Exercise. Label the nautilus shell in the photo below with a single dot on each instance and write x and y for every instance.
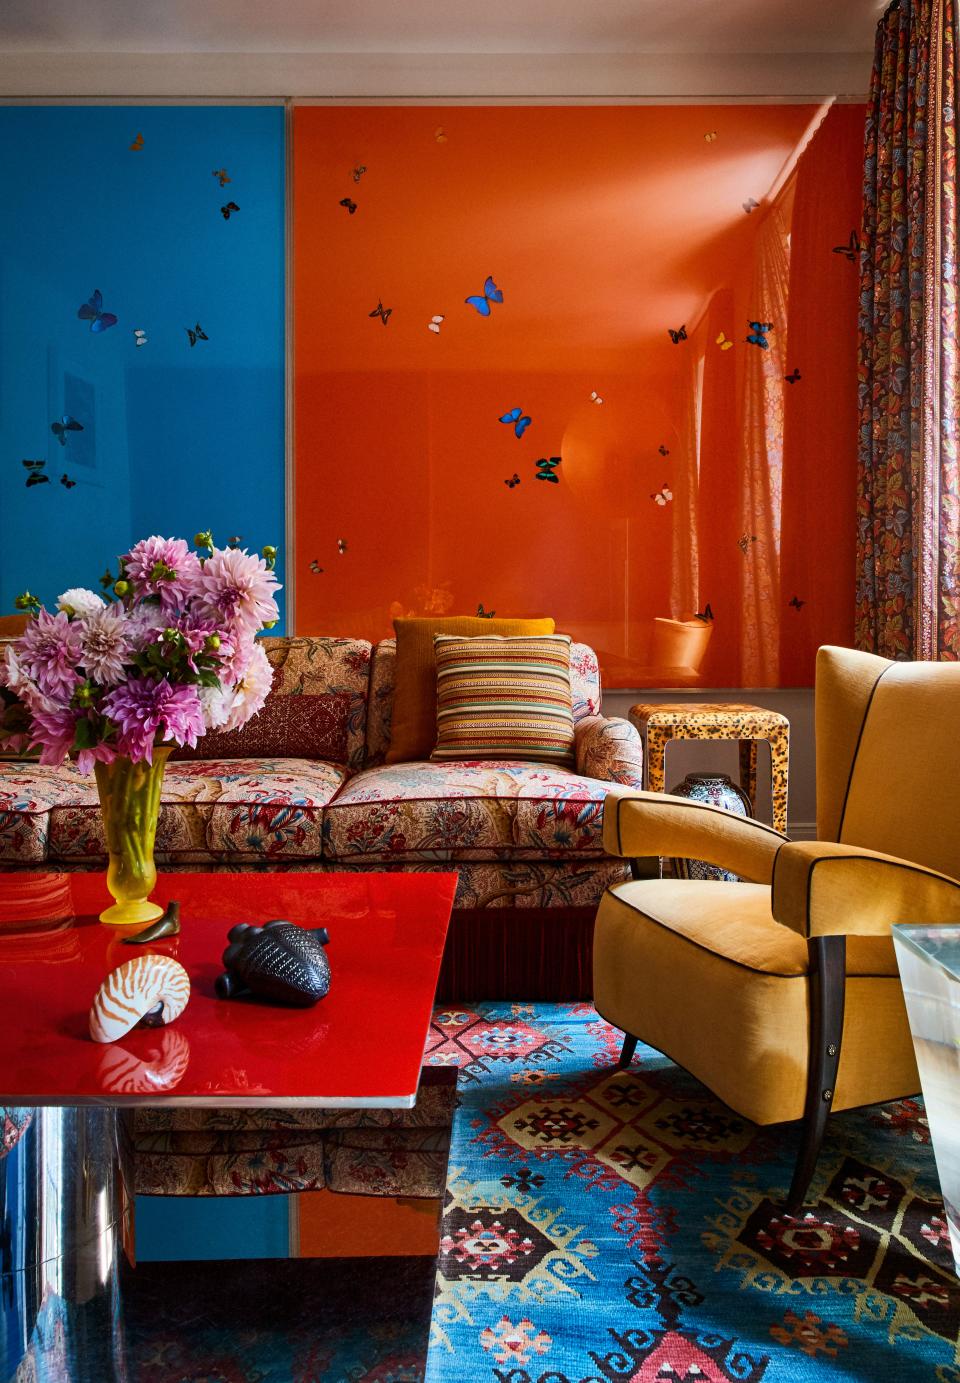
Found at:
(157, 986)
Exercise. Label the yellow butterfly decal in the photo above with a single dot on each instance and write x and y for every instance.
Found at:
(723, 343)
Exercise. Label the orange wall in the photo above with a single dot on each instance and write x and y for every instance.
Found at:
(602, 226)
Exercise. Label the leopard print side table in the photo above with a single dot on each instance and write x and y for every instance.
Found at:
(696, 721)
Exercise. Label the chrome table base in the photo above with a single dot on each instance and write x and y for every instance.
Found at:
(66, 1214)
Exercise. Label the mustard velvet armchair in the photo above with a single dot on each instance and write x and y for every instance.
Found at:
(781, 993)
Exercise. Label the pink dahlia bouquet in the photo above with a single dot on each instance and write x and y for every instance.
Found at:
(170, 653)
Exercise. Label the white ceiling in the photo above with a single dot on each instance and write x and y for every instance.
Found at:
(431, 26)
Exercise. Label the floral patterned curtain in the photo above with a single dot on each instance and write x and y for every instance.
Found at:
(908, 518)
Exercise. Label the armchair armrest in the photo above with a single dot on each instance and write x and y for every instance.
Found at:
(656, 823)
(823, 889)
(609, 749)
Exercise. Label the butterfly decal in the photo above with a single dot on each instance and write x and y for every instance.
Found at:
(359, 172)
(341, 546)
(518, 419)
(222, 177)
(513, 482)
(793, 376)
(196, 334)
(546, 468)
(138, 142)
(235, 541)
(350, 205)
(679, 335)
(227, 211)
(796, 603)
(595, 397)
(106, 580)
(440, 135)
(93, 313)
(315, 567)
(66, 424)
(749, 205)
(485, 614)
(66, 482)
(851, 250)
(663, 496)
(481, 301)
(710, 136)
(35, 475)
(382, 312)
(758, 334)
(744, 541)
(139, 336)
(434, 324)
(706, 614)
(664, 451)
(724, 343)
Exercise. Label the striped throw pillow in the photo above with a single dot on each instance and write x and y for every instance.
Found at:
(504, 698)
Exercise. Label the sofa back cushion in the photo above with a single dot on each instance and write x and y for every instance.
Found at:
(584, 689)
(315, 666)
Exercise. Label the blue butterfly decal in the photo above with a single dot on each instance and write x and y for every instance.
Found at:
(65, 425)
(93, 313)
(518, 418)
(491, 294)
(758, 334)
(546, 467)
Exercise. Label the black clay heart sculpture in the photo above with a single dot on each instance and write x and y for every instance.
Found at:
(279, 961)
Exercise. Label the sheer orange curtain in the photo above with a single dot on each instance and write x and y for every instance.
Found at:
(761, 473)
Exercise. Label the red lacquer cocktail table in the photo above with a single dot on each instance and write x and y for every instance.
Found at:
(65, 1208)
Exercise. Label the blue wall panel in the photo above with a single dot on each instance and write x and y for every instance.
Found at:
(176, 437)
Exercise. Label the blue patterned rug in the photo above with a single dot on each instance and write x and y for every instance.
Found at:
(604, 1225)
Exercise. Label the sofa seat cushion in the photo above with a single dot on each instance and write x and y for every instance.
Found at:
(465, 811)
(232, 809)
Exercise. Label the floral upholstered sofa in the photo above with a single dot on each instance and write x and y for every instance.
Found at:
(521, 836)
(524, 838)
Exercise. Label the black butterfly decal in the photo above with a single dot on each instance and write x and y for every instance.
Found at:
(106, 580)
(851, 249)
(513, 481)
(758, 334)
(546, 468)
(359, 172)
(797, 603)
(485, 614)
(196, 334)
(221, 175)
(664, 451)
(706, 614)
(65, 425)
(382, 312)
(227, 211)
(315, 567)
(351, 206)
(35, 475)
(794, 376)
(66, 482)
(341, 546)
(679, 335)
(744, 541)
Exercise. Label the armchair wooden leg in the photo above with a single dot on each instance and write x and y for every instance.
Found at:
(627, 1051)
(828, 967)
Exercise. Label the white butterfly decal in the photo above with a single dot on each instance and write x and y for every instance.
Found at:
(434, 324)
(139, 336)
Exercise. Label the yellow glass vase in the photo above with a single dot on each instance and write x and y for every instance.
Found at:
(130, 801)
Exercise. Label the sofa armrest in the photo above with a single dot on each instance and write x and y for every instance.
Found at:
(609, 749)
(636, 824)
(824, 889)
